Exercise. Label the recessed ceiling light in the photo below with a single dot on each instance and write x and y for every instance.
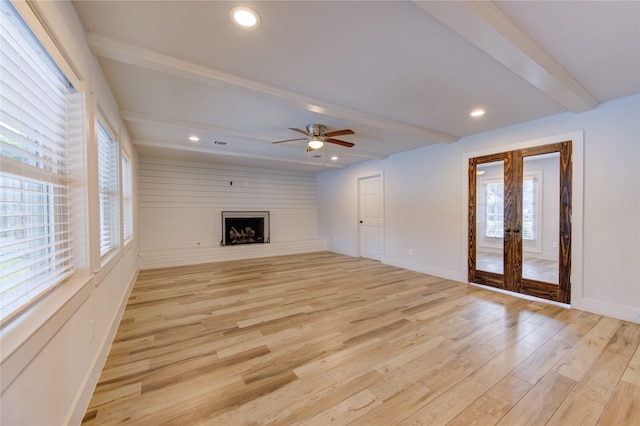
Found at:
(477, 113)
(194, 138)
(334, 158)
(245, 17)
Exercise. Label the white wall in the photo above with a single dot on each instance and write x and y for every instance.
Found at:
(424, 208)
(52, 355)
(181, 205)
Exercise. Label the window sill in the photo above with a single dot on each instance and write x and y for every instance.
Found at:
(107, 262)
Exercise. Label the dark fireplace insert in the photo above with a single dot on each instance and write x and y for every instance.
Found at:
(245, 227)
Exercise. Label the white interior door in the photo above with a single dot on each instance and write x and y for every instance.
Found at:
(370, 193)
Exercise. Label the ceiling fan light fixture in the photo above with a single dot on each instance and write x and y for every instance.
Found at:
(245, 17)
(315, 143)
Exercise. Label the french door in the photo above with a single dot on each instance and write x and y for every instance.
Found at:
(520, 221)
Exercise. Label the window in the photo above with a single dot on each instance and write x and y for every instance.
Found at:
(107, 190)
(494, 199)
(495, 209)
(36, 105)
(529, 208)
(127, 199)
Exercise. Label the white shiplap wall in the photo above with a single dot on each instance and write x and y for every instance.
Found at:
(181, 205)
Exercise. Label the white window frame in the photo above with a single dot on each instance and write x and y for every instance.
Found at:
(127, 197)
(108, 188)
(534, 244)
(39, 95)
(485, 217)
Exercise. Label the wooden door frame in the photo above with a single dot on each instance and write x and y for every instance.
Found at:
(539, 288)
(575, 294)
(473, 276)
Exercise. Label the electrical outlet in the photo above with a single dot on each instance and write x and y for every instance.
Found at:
(410, 252)
(555, 244)
(93, 334)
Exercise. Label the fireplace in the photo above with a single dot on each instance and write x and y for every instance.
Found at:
(244, 227)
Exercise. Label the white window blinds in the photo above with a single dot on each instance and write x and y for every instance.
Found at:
(107, 190)
(35, 109)
(127, 199)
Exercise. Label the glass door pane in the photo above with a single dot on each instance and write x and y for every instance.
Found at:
(541, 217)
(490, 217)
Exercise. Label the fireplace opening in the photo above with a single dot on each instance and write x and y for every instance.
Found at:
(245, 228)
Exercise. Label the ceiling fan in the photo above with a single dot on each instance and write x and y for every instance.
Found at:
(317, 136)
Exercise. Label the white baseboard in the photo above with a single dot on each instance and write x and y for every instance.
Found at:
(625, 313)
(169, 257)
(426, 269)
(342, 250)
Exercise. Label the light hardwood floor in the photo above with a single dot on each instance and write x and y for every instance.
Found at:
(324, 339)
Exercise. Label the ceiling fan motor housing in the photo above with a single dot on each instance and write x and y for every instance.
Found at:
(316, 130)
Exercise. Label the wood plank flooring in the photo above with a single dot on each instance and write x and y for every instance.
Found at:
(321, 338)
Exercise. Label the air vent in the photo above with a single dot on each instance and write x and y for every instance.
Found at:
(222, 143)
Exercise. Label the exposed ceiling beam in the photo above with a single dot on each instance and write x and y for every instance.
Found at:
(483, 24)
(155, 120)
(137, 117)
(153, 144)
(126, 53)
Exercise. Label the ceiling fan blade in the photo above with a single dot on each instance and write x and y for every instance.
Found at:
(300, 131)
(339, 142)
(339, 133)
(289, 140)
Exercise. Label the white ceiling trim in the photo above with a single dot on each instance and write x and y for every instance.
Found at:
(483, 24)
(126, 53)
(153, 144)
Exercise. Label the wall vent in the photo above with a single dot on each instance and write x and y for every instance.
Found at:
(222, 143)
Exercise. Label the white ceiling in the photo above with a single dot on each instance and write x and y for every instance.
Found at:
(401, 74)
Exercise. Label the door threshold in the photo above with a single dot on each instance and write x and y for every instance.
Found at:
(522, 296)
